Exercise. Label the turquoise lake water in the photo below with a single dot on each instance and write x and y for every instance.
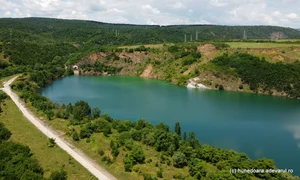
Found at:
(259, 125)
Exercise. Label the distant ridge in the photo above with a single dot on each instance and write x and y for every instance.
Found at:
(99, 33)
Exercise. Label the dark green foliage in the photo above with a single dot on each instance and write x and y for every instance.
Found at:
(162, 127)
(101, 152)
(4, 133)
(30, 175)
(123, 137)
(75, 136)
(221, 88)
(192, 140)
(114, 149)
(85, 132)
(184, 136)
(59, 175)
(197, 168)
(51, 142)
(16, 162)
(137, 154)
(178, 129)
(81, 109)
(129, 162)
(173, 49)
(96, 112)
(259, 73)
(107, 160)
(141, 123)
(179, 160)
(159, 173)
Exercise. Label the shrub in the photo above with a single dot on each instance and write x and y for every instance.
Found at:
(101, 152)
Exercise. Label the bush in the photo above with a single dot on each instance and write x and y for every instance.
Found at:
(4, 133)
(51, 142)
(129, 162)
(221, 88)
(179, 160)
(101, 152)
(75, 136)
(159, 173)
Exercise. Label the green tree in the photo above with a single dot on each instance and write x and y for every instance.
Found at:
(184, 136)
(179, 160)
(75, 136)
(163, 127)
(4, 133)
(51, 142)
(96, 112)
(178, 129)
(129, 162)
(81, 109)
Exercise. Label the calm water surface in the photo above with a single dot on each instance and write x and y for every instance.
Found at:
(261, 126)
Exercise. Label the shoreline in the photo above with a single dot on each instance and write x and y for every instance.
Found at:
(192, 84)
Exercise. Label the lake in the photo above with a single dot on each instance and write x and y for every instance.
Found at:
(259, 125)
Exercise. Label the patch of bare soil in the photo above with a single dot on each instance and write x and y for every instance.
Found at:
(190, 69)
(147, 71)
(278, 58)
(207, 50)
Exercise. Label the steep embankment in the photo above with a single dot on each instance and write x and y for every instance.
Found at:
(179, 64)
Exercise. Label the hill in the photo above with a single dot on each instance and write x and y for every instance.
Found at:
(97, 33)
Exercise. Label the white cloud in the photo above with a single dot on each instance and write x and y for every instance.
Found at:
(218, 3)
(292, 16)
(178, 5)
(151, 9)
(228, 12)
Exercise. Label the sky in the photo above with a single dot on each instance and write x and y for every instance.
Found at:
(161, 12)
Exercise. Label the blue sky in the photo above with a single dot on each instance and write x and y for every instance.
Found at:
(161, 12)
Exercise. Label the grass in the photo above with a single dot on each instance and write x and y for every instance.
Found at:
(50, 159)
(259, 45)
(6, 78)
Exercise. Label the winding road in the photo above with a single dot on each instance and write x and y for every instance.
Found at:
(76, 153)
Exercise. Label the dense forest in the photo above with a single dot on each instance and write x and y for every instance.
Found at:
(97, 33)
(261, 74)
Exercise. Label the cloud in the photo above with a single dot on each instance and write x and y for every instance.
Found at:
(178, 5)
(225, 12)
(218, 3)
(150, 9)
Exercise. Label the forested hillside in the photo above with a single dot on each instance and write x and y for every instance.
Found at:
(97, 33)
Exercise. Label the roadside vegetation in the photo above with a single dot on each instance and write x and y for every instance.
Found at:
(50, 159)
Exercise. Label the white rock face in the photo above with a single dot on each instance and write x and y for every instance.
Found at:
(193, 83)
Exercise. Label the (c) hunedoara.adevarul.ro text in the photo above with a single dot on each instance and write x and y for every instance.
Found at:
(253, 171)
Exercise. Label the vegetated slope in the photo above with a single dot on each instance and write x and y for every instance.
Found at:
(135, 150)
(16, 160)
(97, 33)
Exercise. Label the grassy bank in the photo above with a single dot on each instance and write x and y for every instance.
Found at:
(50, 159)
